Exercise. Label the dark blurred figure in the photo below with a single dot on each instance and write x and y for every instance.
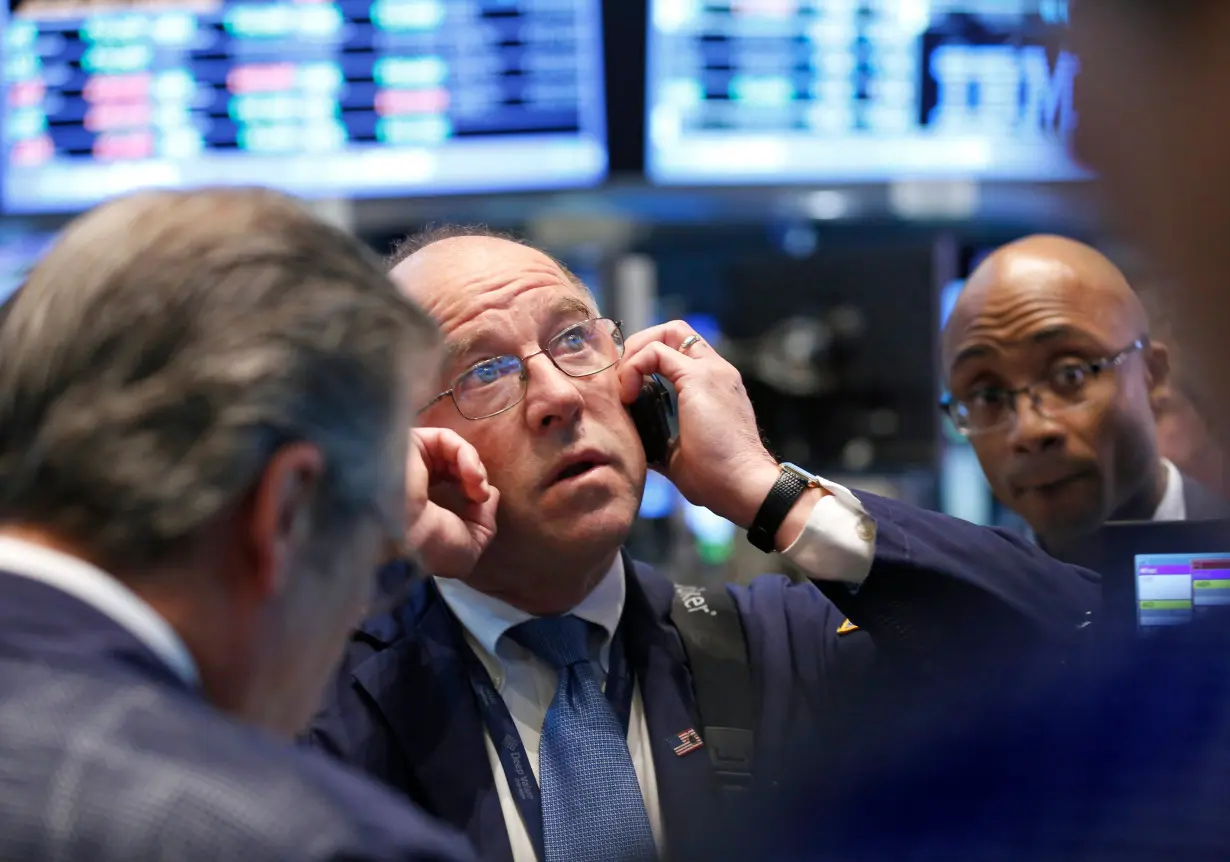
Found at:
(1184, 434)
(1185, 438)
(1154, 119)
(1056, 382)
(204, 404)
(1124, 756)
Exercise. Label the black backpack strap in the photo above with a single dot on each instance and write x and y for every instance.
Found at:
(708, 622)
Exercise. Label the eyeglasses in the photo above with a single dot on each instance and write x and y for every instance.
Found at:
(1067, 387)
(496, 385)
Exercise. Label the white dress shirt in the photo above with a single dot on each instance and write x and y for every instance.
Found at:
(1172, 506)
(837, 543)
(102, 592)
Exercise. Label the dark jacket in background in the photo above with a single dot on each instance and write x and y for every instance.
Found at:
(1126, 759)
(106, 756)
(1201, 503)
(943, 597)
(1119, 755)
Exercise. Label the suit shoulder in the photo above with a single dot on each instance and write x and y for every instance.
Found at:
(782, 616)
(777, 596)
(385, 629)
(160, 764)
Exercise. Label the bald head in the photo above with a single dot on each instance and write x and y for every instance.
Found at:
(455, 260)
(463, 277)
(444, 241)
(1047, 273)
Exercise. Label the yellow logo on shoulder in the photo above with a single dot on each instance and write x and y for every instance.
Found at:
(846, 627)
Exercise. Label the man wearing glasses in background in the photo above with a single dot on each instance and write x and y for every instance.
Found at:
(535, 692)
(1054, 380)
(1129, 761)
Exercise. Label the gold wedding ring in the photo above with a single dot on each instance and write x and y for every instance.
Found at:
(688, 343)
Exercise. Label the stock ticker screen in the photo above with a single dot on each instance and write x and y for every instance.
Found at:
(768, 91)
(1172, 589)
(321, 99)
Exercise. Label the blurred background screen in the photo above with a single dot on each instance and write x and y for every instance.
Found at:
(19, 250)
(322, 99)
(774, 91)
(808, 183)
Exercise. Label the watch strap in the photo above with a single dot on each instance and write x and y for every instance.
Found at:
(790, 485)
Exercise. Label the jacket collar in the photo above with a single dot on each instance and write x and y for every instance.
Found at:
(41, 623)
(418, 683)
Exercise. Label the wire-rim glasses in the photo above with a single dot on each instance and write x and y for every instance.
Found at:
(494, 386)
(1067, 387)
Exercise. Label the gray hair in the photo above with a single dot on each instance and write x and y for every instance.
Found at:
(171, 342)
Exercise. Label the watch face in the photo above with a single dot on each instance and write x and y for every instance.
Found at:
(801, 473)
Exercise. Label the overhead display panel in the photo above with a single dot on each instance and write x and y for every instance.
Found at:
(322, 99)
(784, 91)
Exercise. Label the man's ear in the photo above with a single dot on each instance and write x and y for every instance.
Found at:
(281, 513)
(1158, 377)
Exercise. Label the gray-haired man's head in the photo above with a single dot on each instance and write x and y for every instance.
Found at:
(209, 394)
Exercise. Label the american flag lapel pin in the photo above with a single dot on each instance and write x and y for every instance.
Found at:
(686, 741)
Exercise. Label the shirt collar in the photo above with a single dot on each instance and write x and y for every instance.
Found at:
(1172, 506)
(487, 619)
(101, 591)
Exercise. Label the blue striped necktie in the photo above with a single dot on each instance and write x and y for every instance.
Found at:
(592, 808)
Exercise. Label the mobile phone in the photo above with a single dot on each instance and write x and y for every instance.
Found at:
(656, 416)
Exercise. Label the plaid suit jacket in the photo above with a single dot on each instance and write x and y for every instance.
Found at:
(106, 756)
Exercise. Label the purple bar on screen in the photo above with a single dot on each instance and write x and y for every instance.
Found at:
(1164, 570)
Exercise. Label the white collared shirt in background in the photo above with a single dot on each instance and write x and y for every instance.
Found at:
(99, 590)
(1172, 507)
(837, 544)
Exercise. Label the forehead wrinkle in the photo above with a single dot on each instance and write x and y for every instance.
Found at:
(1036, 326)
(501, 298)
(467, 302)
(460, 280)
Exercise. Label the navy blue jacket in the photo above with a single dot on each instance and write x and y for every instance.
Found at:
(1124, 759)
(106, 755)
(941, 594)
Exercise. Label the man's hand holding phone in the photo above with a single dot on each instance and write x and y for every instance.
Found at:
(450, 505)
(718, 460)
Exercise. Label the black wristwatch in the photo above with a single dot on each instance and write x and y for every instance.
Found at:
(790, 485)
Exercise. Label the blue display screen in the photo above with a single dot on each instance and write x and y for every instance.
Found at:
(19, 251)
(321, 99)
(769, 91)
(1172, 589)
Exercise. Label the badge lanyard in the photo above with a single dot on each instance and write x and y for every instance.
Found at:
(507, 740)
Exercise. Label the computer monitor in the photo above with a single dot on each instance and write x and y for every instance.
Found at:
(321, 99)
(1172, 589)
(789, 91)
(1159, 573)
